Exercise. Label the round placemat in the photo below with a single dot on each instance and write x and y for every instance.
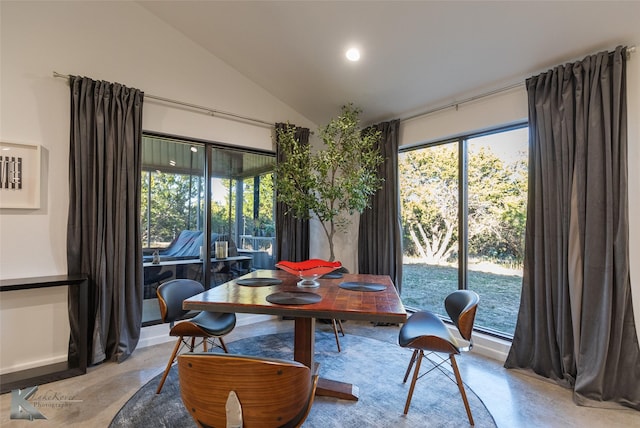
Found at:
(294, 298)
(362, 286)
(333, 275)
(258, 282)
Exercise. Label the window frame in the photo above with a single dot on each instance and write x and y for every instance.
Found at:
(462, 140)
(207, 174)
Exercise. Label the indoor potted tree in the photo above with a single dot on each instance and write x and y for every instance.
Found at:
(335, 181)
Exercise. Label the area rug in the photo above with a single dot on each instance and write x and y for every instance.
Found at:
(376, 367)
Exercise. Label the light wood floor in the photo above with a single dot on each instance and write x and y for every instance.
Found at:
(514, 399)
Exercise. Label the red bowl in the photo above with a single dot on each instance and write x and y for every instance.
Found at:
(313, 268)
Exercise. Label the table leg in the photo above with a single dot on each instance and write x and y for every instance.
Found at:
(303, 352)
(304, 340)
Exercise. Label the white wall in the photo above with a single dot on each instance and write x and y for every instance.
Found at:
(117, 42)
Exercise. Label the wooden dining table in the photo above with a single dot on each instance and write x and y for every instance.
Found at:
(335, 302)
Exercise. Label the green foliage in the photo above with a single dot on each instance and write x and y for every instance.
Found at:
(429, 198)
(172, 203)
(497, 195)
(334, 181)
(264, 225)
(171, 209)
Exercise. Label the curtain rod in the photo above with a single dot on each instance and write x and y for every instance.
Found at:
(630, 50)
(213, 112)
(210, 111)
(466, 100)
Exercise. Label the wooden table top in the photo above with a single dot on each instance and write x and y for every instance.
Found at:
(336, 303)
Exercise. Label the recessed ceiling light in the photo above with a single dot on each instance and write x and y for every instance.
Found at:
(353, 54)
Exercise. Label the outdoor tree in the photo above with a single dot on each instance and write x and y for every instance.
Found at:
(172, 210)
(337, 180)
(496, 204)
(178, 204)
(429, 195)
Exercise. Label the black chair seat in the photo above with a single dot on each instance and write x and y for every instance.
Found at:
(425, 330)
(214, 323)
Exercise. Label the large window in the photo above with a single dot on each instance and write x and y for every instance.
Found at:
(192, 190)
(463, 206)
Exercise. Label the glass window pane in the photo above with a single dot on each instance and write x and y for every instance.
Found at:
(497, 200)
(429, 198)
(495, 174)
(258, 221)
(172, 191)
(172, 213)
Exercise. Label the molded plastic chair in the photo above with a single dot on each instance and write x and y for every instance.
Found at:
(229, 390)
(205, 325)
(424, 331)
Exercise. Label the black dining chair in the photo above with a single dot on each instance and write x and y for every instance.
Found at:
(425, 331)
(205, 325)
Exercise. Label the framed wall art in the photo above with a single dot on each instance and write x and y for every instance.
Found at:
(19, 176)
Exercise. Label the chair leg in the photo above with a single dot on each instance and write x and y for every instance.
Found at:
(413, 381)
(224, 347)
(335, 332)
(413, 360)
(461, 388)
(166, 371)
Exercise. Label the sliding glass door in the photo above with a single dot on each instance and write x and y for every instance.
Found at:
(195, 194)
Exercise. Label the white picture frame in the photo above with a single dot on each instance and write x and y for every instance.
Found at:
(19, 176)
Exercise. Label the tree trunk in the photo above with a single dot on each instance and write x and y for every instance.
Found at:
(330, 234)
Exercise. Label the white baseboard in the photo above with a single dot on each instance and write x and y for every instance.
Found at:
(491, 347)
(154, 335)
(487, 346)
(33, 364)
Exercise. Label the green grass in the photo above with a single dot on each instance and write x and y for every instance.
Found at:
(426, 286)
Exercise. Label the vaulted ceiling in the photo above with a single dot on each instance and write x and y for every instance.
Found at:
(416, 55)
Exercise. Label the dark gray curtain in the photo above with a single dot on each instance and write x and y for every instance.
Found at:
(103, 236)
(380, 234)
(292, 234)
(576, 323)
